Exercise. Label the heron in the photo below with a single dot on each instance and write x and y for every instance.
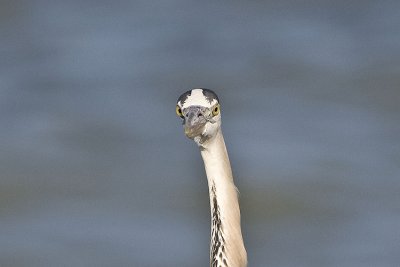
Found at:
(200, 111)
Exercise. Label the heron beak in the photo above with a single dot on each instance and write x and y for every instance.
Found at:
(195, 121)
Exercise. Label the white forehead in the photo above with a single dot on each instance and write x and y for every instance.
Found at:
(197, 98)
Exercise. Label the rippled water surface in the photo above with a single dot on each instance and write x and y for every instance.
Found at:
(96, 171)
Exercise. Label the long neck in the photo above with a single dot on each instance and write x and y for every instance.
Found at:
(226, 247)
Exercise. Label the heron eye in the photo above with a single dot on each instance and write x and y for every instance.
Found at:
(215, 111)
(178, 111)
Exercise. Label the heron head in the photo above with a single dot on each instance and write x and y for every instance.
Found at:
(200, 112)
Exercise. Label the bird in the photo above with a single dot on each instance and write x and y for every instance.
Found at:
(200, 111)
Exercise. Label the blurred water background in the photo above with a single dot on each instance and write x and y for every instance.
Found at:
(95, 168)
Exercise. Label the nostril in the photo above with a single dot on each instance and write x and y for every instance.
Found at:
(200, 115)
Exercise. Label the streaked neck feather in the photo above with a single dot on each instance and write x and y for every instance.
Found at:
(226, 247)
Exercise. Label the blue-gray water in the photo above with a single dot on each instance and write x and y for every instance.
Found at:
(95, 168)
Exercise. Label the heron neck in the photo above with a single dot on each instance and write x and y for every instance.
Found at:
(226, 237)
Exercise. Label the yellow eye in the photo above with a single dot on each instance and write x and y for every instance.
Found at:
(178, 111)
(215, 110)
